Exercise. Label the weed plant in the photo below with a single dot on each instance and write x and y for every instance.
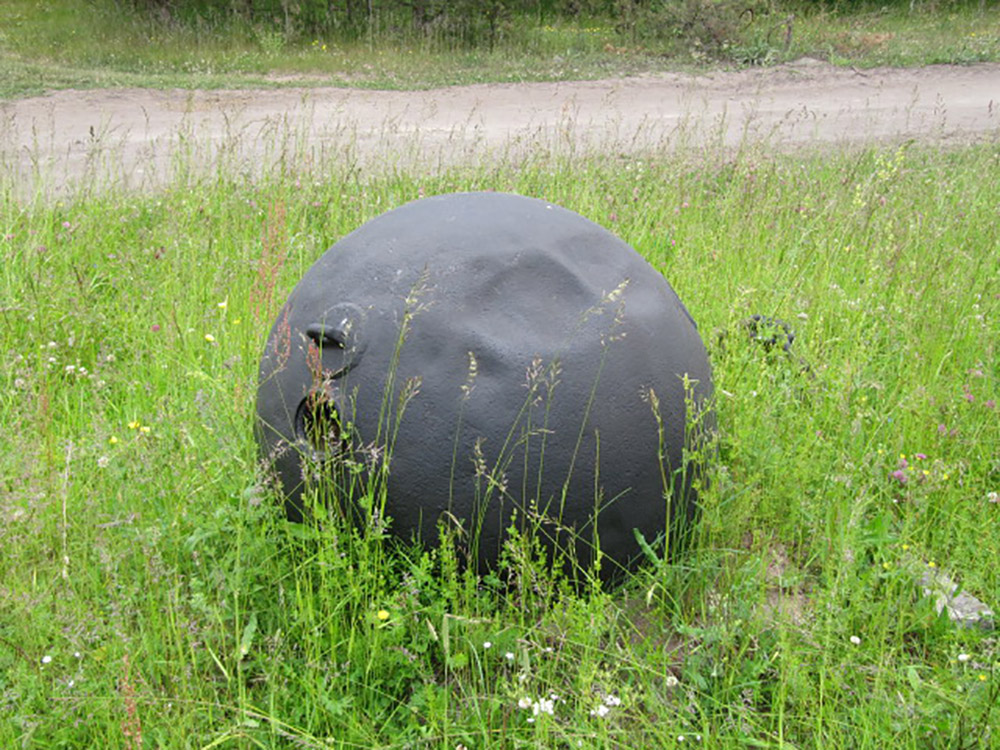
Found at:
(152, 595)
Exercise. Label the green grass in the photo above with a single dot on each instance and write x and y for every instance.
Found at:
(61, 44)
(149, 585)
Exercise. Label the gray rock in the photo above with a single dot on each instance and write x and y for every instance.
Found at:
(963, 609)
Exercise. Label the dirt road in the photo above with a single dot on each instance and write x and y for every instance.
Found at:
(138, 137)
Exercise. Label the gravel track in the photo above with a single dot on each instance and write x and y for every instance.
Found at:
(139, 137)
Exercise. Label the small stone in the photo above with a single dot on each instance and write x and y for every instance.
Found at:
(963, 609)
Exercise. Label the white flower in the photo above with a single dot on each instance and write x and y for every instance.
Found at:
(544, 706)
(963, 658)
(487, 644)
(509, 656)
(46, 659)
(601, 711)
(103, 462)
(855, 640)
(671, 681)
(524, 703)
(993, 497)
(613, 700)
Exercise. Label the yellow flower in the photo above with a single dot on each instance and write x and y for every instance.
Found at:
(209, 338)
(112, 440)
(982, 678)
(932, 564)
(135, 424)
(906, 547)
(382, 615)
(224, 304)
(144, 429)
(237, 321)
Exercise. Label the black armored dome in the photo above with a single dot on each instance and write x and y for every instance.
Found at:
(495, 357)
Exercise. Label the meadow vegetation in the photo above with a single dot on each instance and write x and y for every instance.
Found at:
(152, 595)
(200, 44)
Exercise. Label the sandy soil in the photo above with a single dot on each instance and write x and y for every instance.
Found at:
(138, 137)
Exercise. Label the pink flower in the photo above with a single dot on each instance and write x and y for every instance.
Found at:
(921, 456)
(900, 476)
(155, 327)
(991, 404)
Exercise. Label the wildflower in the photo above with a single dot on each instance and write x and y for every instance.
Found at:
(155, 327)
(509, 656)
(982, 678)
(600, 712)
(382, 614)
(209, 338)
(963, 658)
(113, 440)
(671, 681)
(237, 321)
(144, 429)
(899, 475)
(46, 659)
(992, 497)
(524, 703)
(920, 456)
(990, 404)
(612, 700)
(487, 644)
(103, 462)
(855, 640)
(223, 305)
(543, 706)
(932, 564)
(135, 424)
